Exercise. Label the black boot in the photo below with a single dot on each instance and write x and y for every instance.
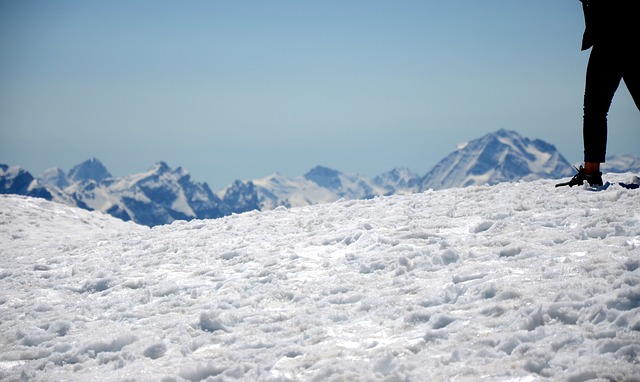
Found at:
(580, 177)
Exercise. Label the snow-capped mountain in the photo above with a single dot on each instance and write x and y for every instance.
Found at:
(496, 157)
(16, 180)
(91, 169)
(157, 196)
(319, 185)
(502, 156)
(400, 180)
(348, 186)
(241, 197)
(622, 163)
(54, 176)
(162, 195)
(277, 190)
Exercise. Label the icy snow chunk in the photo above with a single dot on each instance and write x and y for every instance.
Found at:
(628, 299)
(510, 251)
(534, 320)
(537, 362)
(452, 292)
(115, 345)
(583, 376)
(210, 322)
(166, 288)
(596, 233)
(632, 264)
(374, 266)
(60, 328)
(36, 339)
(201, 371)
(415, 318)
(345, 299)
(457, 279)
(5, 273)
(566, 340)
(155, 351)
(509, 344)
(567, 313)
(449, 256)
(133, 284)
(442, 321)
(99, 285)
(483, 226)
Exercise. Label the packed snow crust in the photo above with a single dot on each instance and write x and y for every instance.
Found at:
(513, 282)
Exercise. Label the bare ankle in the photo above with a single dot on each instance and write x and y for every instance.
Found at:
(592, 168)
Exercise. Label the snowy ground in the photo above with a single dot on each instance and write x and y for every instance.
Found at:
(515, 282)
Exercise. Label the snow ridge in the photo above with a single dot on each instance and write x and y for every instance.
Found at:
(513, 282)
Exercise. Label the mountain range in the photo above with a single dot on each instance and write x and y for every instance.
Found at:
(162, 195)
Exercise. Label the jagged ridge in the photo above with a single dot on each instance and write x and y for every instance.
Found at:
(162, 194)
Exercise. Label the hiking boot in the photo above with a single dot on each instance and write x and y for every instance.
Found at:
(581, 177)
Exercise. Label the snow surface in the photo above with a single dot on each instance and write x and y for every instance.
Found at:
(513, 282)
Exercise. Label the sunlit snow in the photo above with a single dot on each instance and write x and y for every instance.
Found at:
(513, 282)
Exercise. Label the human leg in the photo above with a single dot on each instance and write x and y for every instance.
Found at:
(602, 80)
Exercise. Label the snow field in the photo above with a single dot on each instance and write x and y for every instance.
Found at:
(514, 282)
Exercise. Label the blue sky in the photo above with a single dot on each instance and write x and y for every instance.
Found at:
(241, 89)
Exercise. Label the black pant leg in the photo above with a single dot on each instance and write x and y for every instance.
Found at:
(604, 72)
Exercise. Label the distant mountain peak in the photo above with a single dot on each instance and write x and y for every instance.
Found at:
(496, 157)
(91, 169)
(161, 167)
(399, 179)
(242, 196)
(506, 133)
(324, 177)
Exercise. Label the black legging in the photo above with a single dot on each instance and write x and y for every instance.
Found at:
(608, 64)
